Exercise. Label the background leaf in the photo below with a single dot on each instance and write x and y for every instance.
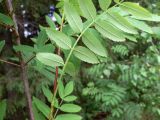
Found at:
(2, 43)
(47, 93)
(42, 107)
(6, 19)
(59, 38)
(3, 108)
(135, 9)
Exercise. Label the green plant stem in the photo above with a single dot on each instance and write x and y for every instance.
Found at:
(68, 58)
(56, 76)
(58, 109)
(71, 51)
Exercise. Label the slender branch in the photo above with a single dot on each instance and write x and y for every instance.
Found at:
(11, 63)
(30, 59)
(58, 109)
(22, 63)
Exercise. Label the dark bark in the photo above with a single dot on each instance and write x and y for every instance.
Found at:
(22, 63)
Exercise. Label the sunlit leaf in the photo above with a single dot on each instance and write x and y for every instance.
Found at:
(70, 98)
(93, 43)
(120, 22)
(104, 4)
(88, 9)
(73, 18)
(141, 25)
(85, 54)
(108, 31)
(70, 108)
(69, 88)
(50, 59)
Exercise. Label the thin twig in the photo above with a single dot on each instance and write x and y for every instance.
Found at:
(22, 63)
(11, 63)
(29, 60)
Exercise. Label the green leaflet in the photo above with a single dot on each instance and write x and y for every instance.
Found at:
(93, 43)
(42, 107)
(50, 59)
(154, 18)
(71, 108)
(24, 48)
(104, 4)
(37, 114)
(42, 38)
(88, 9)
(130, 37)
(73, 18)
(3, 107)
(48, 94)
(120, 22)
(50, 22)
(108, 31)
(58, 18)
(61, 89)
(70, 98)
(70, 69)
(46, 48)
(135, 9)
(59, 38)
(116, 1)
(6, 19)
(69, 88)
(156, 31)
(2, 43)
(85, 54)
(140, 25)
(76, 6)
(68, 117)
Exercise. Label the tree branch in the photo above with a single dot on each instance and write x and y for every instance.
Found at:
(22, 63)
(11, 63)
